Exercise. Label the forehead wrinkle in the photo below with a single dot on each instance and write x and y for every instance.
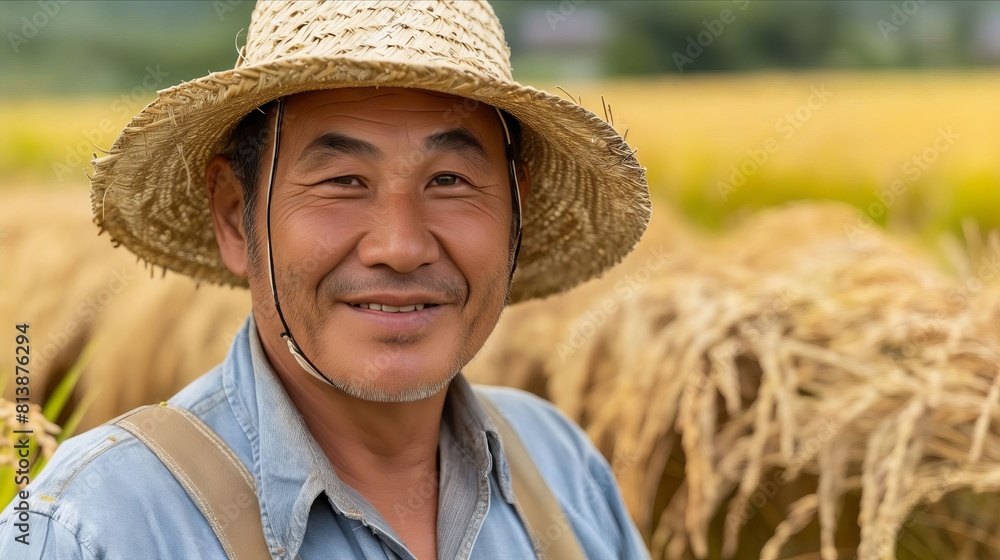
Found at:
(474, 140)
(351, 108)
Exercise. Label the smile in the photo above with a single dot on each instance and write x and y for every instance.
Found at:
(392, 308)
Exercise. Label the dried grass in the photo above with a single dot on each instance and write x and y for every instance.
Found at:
(790, 391)
(153, 335)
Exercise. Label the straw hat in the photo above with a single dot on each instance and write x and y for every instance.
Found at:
(589, 202)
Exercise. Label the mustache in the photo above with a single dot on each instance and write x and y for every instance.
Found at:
(344, 284)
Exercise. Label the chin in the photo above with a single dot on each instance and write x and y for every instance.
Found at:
(379, 366)
(391, 389)
(392, 375)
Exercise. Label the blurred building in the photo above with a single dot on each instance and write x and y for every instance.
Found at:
(564, 41)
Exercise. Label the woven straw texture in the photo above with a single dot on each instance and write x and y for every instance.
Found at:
(589, 202)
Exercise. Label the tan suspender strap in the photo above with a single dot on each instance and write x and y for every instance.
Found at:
(214, 478)
(224, 491)
(550, 532)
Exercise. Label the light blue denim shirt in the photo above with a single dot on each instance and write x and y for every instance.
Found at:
(105, 495)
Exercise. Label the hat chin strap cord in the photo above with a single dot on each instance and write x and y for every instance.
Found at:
(286, 335)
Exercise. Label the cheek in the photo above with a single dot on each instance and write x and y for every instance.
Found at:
(476, 241)
(311, 241)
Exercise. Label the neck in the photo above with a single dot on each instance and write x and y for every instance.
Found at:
(385, 451)
(379, 449)
(370, 444)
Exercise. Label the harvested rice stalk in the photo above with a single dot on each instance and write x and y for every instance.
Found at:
(79, 288)
(795, 389)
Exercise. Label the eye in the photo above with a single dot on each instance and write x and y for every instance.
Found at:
(346, 180)
(446, 180)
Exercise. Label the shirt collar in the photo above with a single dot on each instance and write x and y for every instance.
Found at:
(467, 420)
(289, 466)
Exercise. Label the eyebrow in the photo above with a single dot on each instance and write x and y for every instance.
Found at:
(456, 140)
(335, 144)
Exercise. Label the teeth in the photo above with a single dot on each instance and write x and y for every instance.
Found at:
(393, 308)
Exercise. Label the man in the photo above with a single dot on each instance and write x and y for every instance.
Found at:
(366, 170)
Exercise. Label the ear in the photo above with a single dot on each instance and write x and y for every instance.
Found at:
(225, 198)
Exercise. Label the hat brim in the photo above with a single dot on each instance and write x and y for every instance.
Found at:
(588, 207)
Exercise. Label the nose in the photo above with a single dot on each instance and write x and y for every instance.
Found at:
(398, 236)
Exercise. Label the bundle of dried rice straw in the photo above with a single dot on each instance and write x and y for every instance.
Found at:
(153, 335)
(803, 388)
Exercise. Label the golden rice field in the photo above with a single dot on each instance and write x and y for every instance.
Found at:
(716, 147)
(801, 385)
(828, 136)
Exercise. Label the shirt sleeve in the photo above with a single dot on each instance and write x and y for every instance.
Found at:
(47, 539)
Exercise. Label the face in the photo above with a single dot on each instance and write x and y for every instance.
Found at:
(390, 228)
